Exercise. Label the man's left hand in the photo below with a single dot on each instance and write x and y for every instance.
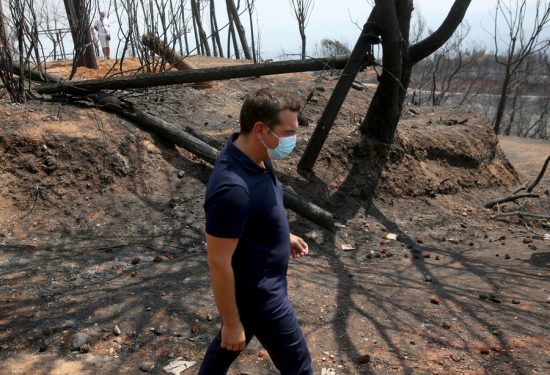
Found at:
(298, 247)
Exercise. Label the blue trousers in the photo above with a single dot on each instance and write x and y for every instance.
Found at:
(278, 332)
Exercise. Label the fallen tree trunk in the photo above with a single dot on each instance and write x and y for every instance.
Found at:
(190, 76)
(172, 57)
(160, 48)
(35, 75)
(204, 151)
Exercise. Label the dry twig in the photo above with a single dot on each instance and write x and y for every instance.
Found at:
(510, 198)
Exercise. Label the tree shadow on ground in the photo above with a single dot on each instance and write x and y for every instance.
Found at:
(381, 299)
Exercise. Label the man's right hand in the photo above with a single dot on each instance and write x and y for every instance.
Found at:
(233, 337)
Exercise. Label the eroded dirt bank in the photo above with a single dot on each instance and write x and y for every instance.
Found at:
(101, 225)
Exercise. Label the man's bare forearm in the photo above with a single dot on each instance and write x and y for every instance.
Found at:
(223, 285)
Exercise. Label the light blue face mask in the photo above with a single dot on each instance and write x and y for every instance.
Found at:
(284, 148)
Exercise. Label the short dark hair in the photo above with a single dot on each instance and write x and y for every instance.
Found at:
(265, 105)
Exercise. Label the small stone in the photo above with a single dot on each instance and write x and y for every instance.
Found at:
(507, 256)
(157, 259)
(412, 342)
(156, 330)
(209, 317)
(527, 240)
(494, 299)
(455, 357)
(484, 351)
(43, 346)
(502, 238)
(181, 174)
(435, 300)
(370, 254)
(364, 359)
(428, 278)
(446, 325)
(146, 366)
(532, 247)
(427, 255)
(4, 347)
(194, 329)
(437, 257)
(85, 348)
(116, 330)
(420, 241)
(470, 243)
(515, 302)
(78, 340)
(136, 260)
(482, 296)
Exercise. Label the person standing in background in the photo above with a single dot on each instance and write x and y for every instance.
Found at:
(103, 34)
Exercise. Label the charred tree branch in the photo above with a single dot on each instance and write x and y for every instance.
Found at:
(509, 198)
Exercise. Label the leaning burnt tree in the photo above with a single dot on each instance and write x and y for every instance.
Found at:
(390, 19)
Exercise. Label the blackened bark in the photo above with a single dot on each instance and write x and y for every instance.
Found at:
(433, 42)
(383, 113)
(239, 28)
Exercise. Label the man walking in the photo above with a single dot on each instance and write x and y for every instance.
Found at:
(103, 33)
(249, 242)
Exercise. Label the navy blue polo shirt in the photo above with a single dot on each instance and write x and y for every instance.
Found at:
(245, 201)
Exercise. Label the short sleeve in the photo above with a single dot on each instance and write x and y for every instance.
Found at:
(227, 211)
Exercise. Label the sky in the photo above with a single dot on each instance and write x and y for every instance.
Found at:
(280, 34)
(280, 37)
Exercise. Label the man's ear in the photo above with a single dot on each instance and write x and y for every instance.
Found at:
(258, 128)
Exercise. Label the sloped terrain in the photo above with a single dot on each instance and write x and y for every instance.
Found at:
(101, 224)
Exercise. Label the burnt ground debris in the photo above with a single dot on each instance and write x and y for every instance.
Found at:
(102, 225)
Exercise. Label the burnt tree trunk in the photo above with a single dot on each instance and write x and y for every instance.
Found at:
(319, 136)
(81, 33)
(383, 115)
(197, 75)
(216, 41)
(168, 54)
(173, 58)
(231, 37)
(239, 28)
(202, 34)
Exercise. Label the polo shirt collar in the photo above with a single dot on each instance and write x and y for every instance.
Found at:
(244, 160)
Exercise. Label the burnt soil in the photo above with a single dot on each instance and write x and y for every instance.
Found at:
(101, 224)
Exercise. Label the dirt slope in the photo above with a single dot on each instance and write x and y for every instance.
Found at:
(101, 225)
